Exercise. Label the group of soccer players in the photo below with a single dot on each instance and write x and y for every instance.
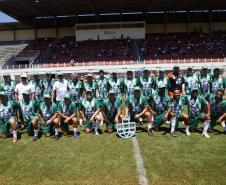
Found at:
(52, 104)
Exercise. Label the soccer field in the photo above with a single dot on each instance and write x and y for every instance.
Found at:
(106, 159)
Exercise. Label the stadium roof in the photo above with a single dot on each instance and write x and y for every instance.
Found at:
(28, 10)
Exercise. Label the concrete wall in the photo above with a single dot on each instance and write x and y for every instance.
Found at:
(25, 34)
(136, 33)
(110, 33)
(65, 32)
(182, 27)
(6, 36)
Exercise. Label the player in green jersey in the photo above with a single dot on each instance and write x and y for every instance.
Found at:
(129, 83)
(75, 87)
(8, 86)
(138, 108)
(90, 84)
(218, 109)
(48, 115)
(38, 87)
(204, 81)
(197, 107)
(176, 113)
(112, 111)
(217, 82)
(29, 110)
(67, 111)
(116, 85)
(159, 103)
(48, 83)
(191, 81)
(147, 83)
(90, 109)
(8, 110)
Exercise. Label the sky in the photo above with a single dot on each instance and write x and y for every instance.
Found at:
(5, 18)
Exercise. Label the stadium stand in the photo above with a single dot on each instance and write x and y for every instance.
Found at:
(183, 45)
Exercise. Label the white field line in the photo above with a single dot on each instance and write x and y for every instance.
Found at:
(139, 162)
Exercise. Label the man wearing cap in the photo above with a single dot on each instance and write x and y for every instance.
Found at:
(205, 81)
(48, 83)
(176, 112)
(196, 105)
(90, 84)
(161, 79)
(159, 103)
(75, 87)
(116, 85)
(147, 83)
(217, 82)
(129, 83)
(111, 111)
(90, 112)
(137, 108)
(176, 80)
(67, 111)
(8, 110)
(29, 109)
(8, 86)
(24, 86)
(218, 109)
(48, 115)
(60, 87)
(191, 81)
(38, 86)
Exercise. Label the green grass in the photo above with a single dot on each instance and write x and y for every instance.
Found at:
(106, 160)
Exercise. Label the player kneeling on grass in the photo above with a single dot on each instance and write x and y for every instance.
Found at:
(48, 115)
(159, 104)
(196, 111)
(218, 109)
(8, 110)
(111, 111)
(90, 113)
(138, 110)
(29, 110)
(176, 112)
(67, 112)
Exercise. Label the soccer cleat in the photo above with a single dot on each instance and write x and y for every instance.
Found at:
(173, 134)
(168, 122)
(14, 139)
(156, 129)
(65, 133)
(188, 133)
(150, 132)
(97, 133)
(35, 138)
(47, 135)
(76, 135)
(56, 137)
(205, 134)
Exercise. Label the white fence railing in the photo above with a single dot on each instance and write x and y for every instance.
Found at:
(118, 63)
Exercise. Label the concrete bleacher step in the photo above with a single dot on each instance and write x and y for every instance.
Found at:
(9, 51)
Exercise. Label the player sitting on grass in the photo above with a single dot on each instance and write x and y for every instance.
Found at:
(67, 111)
(90, 113)
(138, 109)
(176, 113)
(218, 109)
(196, 105)
(159, 104)
(8, 109)
(29, 110)
(48, 115)
(112, 111)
